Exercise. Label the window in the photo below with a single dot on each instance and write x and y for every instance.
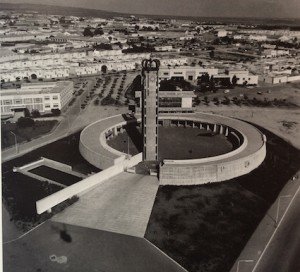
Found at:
(166, 74)
(55, 97)
(18, 101)
(7, 102)
(47, 106)
(37, 100)
(47, 98)
(190, 77)
(28, 100)
(55, 105)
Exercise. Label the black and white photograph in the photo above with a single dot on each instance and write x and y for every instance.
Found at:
(150, 135)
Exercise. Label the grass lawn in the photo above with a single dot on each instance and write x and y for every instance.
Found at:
(55, 175)
(175, 143)
(24, 134)
(21, 192)
(205, 227)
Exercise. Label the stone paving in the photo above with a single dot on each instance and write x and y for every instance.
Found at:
(122, 205)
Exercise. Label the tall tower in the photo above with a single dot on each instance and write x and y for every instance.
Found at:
(150, 109)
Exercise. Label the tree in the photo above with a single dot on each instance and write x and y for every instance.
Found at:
(26, 112)
(104, 69)
(234, 80)
(35, 114)
(24, 122)
(204, 78)
(98, 31)
(56, 112)
(62, 20)
(87, 32)
(212, 84)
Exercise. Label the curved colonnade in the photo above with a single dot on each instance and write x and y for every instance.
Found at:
(248, 153)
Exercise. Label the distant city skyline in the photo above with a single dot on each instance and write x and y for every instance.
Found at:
(196, 8)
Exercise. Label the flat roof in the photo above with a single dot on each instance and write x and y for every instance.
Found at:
(37, 88)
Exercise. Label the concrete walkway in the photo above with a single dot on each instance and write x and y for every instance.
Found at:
(88, 250)
(122, 205)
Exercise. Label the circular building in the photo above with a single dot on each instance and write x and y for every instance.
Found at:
(245, 151)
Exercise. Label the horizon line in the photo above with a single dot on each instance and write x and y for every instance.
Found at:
(147, 14)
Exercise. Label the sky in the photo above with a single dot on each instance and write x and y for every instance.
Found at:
(198, 8)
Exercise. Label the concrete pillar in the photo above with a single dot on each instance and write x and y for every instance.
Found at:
(221, 130)
(167, 123)
(215, 128)
(115, 131)
(226, 131)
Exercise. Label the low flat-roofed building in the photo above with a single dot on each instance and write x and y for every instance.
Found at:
(185, 72)
(163, 48)
(243, 77)
(50, 72)
(36, 96)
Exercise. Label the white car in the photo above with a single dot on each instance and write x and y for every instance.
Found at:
(226, 91)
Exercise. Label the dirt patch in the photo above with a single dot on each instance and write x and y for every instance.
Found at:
(175, 143)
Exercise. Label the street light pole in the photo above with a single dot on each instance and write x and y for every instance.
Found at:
(16, 143)
(278, 204)
(244, 261)
(127, 145)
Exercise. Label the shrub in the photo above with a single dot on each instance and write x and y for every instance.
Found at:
(56, 112)
(24, 122)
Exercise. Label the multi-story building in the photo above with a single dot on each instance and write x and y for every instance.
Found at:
(179, 101)
(36, 96)
(172, 97)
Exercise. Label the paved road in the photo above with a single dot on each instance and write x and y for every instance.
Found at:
(71, 123)
(272, 249)
(282, 254)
